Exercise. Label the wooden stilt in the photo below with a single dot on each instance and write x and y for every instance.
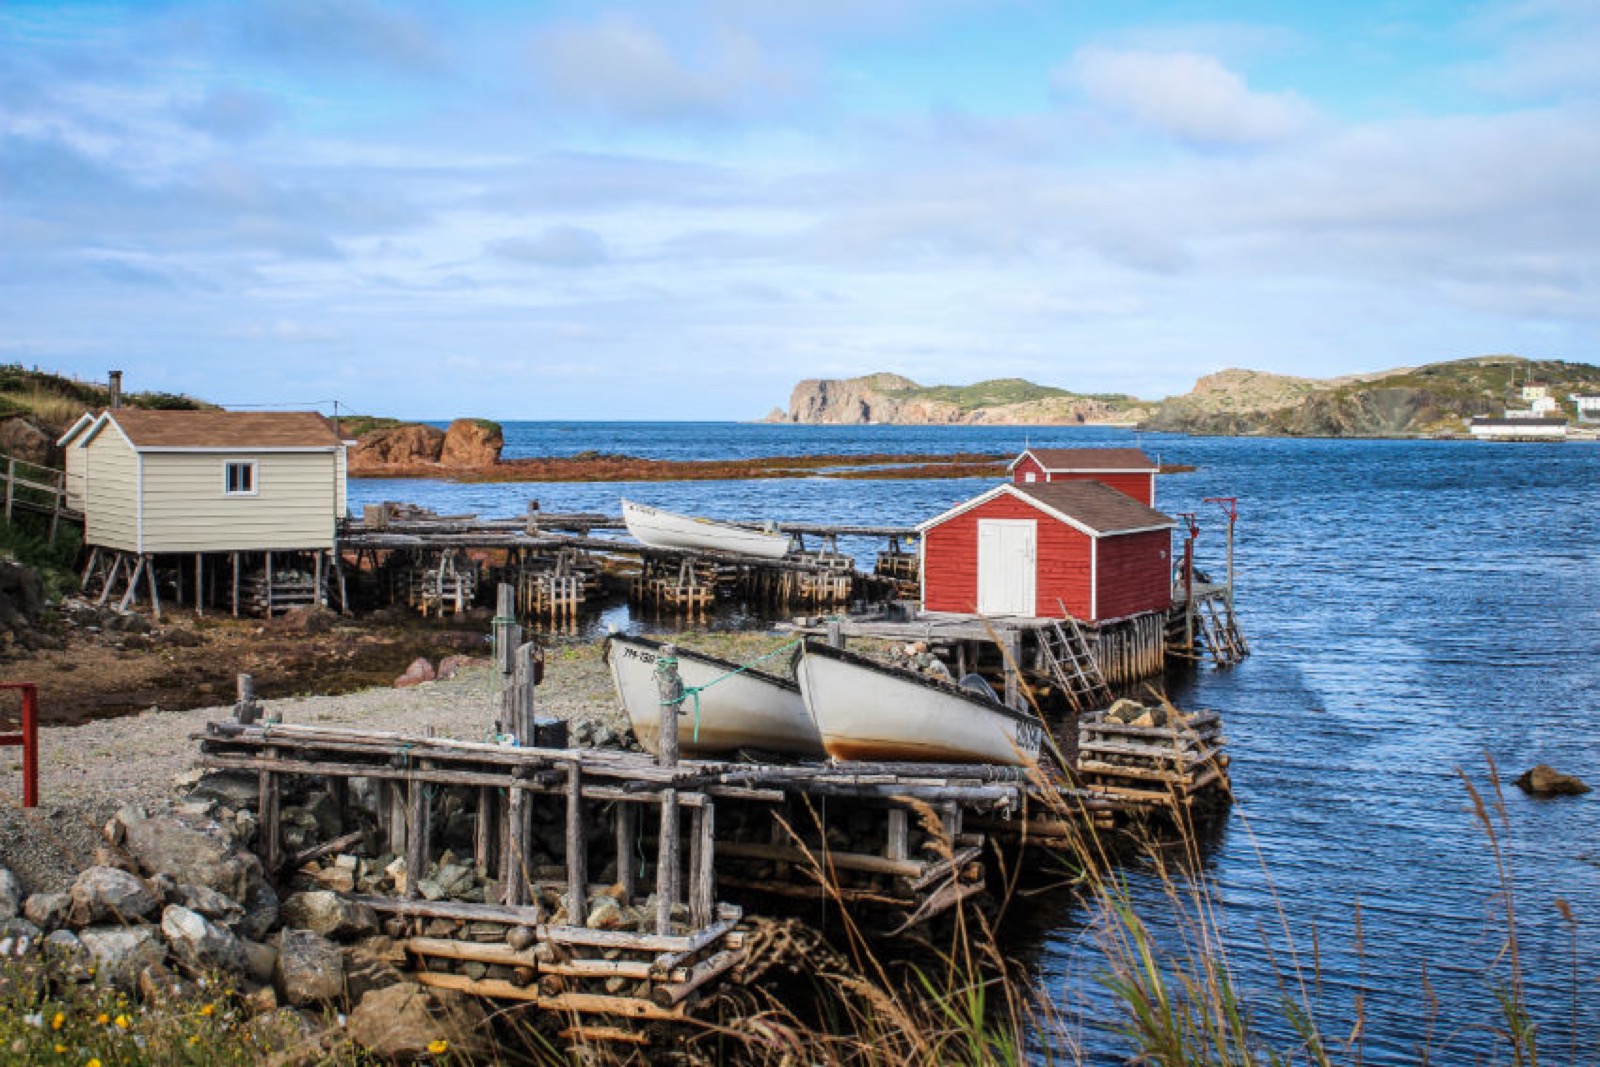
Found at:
(111, 579)
(667, 861)
(702, 867)
(269, 584)
(416, 837)
(199, 583)
(316, 579)
(627, 858)
(235, 556)
(484, 831)
(577, 850)
(133, 585)
(155, 594)
(88, 569)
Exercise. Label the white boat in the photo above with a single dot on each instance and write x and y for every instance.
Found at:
(866, 710)
(749, 709)
(667, 529)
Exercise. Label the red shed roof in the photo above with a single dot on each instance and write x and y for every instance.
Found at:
(1089, 460)
(295, 431)
(1092, 507)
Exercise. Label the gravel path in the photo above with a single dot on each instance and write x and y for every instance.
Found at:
(87, 772)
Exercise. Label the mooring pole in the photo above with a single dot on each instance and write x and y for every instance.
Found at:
(669, 687)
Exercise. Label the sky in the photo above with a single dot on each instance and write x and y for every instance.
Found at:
(528, 210)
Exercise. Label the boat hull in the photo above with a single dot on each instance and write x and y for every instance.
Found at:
(752, 709)
(867, 711)
(667, 529)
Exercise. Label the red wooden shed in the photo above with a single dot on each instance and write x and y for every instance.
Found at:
(1125, 469)
(1032, 549)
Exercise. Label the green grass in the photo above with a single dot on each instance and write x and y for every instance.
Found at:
(999, 392)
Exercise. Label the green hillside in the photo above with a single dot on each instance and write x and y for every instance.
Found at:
(53, 402)
(998, 392)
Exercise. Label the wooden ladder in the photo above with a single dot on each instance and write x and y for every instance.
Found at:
(1065, 650)
(1220, 626)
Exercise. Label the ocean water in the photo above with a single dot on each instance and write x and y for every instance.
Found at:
(1418, 610)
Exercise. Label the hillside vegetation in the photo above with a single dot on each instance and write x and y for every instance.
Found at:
(54, 401)
(998, 392)
(1435, 398)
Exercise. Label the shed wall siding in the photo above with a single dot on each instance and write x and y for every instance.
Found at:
(186, 510)
(111, 493)
(950, 554)
(341, 472)
(1135, 574)
(74, 480)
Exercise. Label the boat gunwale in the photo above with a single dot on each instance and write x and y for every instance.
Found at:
(855, 659)
(731, 667)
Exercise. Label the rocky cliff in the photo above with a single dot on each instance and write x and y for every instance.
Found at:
(893, 399)
(413, 448)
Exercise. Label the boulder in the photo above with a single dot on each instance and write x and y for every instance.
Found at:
(1546, 781)
(450, 666)
(17, 937)
(304, 619)
(47, 910)
(398, 446)
(199, 943)
(420, 671)
(191, 856)
(309, 969)
(472, 443)
(119, 953)
(260, 961)
(11, 894)
(261, 913)
(22, 596)
(106, 894)
(373, 963)
(210, 903)
(328, 914)
(399, 1022)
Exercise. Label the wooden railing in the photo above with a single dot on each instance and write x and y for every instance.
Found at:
(36, 488)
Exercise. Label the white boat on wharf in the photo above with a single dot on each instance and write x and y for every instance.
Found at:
(744, 708)
(866, 710)
(666, 529)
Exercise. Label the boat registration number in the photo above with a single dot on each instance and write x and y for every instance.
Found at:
(1029, 738)
(629, 652)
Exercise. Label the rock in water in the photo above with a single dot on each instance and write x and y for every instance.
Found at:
(1546, 781)
(472, 443)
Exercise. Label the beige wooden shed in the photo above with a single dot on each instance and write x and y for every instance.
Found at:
(253, 485)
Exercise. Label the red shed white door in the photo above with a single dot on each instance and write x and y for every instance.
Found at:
(1007, 550)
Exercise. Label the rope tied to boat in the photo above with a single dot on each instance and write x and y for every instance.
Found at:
(664, 663)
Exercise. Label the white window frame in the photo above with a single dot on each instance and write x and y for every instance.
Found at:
(255, 477)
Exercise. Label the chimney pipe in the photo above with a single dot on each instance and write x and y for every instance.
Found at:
(116, 389)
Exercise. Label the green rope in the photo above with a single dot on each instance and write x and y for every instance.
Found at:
(695, 690)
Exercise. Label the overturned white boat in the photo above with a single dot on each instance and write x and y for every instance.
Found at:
(746, 708)
(866, 710)
(667, 529)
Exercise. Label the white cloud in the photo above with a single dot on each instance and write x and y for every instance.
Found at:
(621, 68)
(1190, 96)
(557, 246)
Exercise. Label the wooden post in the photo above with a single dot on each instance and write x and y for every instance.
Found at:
(703, 866)
(247, 710)
(627, 862)
(484, 831)
(1011, 642)
(111, 578)
(269, 585)
(507, 638)
(133, 585)
(235, 584)
(395, 807)
(669, 687)
(11, 485)
(88, 569)
(513, 854)
(577, 849)
(155, 595)
(271, 836)
(199, 583)
(522, 705)
(899, 846)
(416, 836)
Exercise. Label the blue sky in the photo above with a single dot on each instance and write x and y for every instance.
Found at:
(678, 210)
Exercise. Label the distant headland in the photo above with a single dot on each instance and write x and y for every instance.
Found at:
(1433, 399)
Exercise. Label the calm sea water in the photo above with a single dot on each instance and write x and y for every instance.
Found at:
(1416, 608)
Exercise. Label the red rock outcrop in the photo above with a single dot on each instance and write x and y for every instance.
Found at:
(472, 443)
(398, 446)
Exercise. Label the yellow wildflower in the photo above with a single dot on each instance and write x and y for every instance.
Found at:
(438, 1046)
(102, 1018)
(59, 1021)
(194, 1039)
(121, 1021)
(208, 1009)
(61, 1048)
(93, 1062)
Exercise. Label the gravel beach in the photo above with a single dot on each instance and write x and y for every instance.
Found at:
(87, 772)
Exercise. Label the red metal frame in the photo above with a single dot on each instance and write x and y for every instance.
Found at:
(28, 739)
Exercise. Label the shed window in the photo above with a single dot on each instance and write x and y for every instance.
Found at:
(239, 478)
(1030, 476)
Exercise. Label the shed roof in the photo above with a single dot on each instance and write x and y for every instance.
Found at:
(1092, 507)
(1089, 460)
(223, 430)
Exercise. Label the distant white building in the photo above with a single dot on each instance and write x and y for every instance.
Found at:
(1526, 428)
(1588, 406)
(1535, 391)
